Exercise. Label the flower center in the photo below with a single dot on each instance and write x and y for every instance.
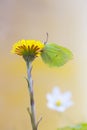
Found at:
(58, 103)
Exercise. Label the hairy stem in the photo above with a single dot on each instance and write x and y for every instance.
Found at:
(31, 92)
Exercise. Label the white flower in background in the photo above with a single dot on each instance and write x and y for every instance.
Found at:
(59, 101)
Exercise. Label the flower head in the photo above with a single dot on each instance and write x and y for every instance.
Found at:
(28, 48)
(59, 101)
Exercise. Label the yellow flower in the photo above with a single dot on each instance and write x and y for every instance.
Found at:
(28, 48)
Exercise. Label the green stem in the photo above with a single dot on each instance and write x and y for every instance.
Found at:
(32, 103)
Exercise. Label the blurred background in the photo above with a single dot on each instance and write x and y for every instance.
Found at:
(66, 23)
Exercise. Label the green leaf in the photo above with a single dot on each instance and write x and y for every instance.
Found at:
(82, 126)
(55, 55)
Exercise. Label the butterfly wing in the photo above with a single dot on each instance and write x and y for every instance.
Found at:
(55, 55)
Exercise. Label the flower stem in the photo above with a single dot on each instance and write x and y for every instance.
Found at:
(31, 92)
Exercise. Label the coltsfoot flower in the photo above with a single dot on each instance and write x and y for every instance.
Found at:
(59, 101)
(29, 49)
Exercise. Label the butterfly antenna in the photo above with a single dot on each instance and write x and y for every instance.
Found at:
(46, 38)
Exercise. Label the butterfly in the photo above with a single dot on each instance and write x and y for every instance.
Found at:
(55, 55)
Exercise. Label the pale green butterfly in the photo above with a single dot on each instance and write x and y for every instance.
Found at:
(55, 55)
